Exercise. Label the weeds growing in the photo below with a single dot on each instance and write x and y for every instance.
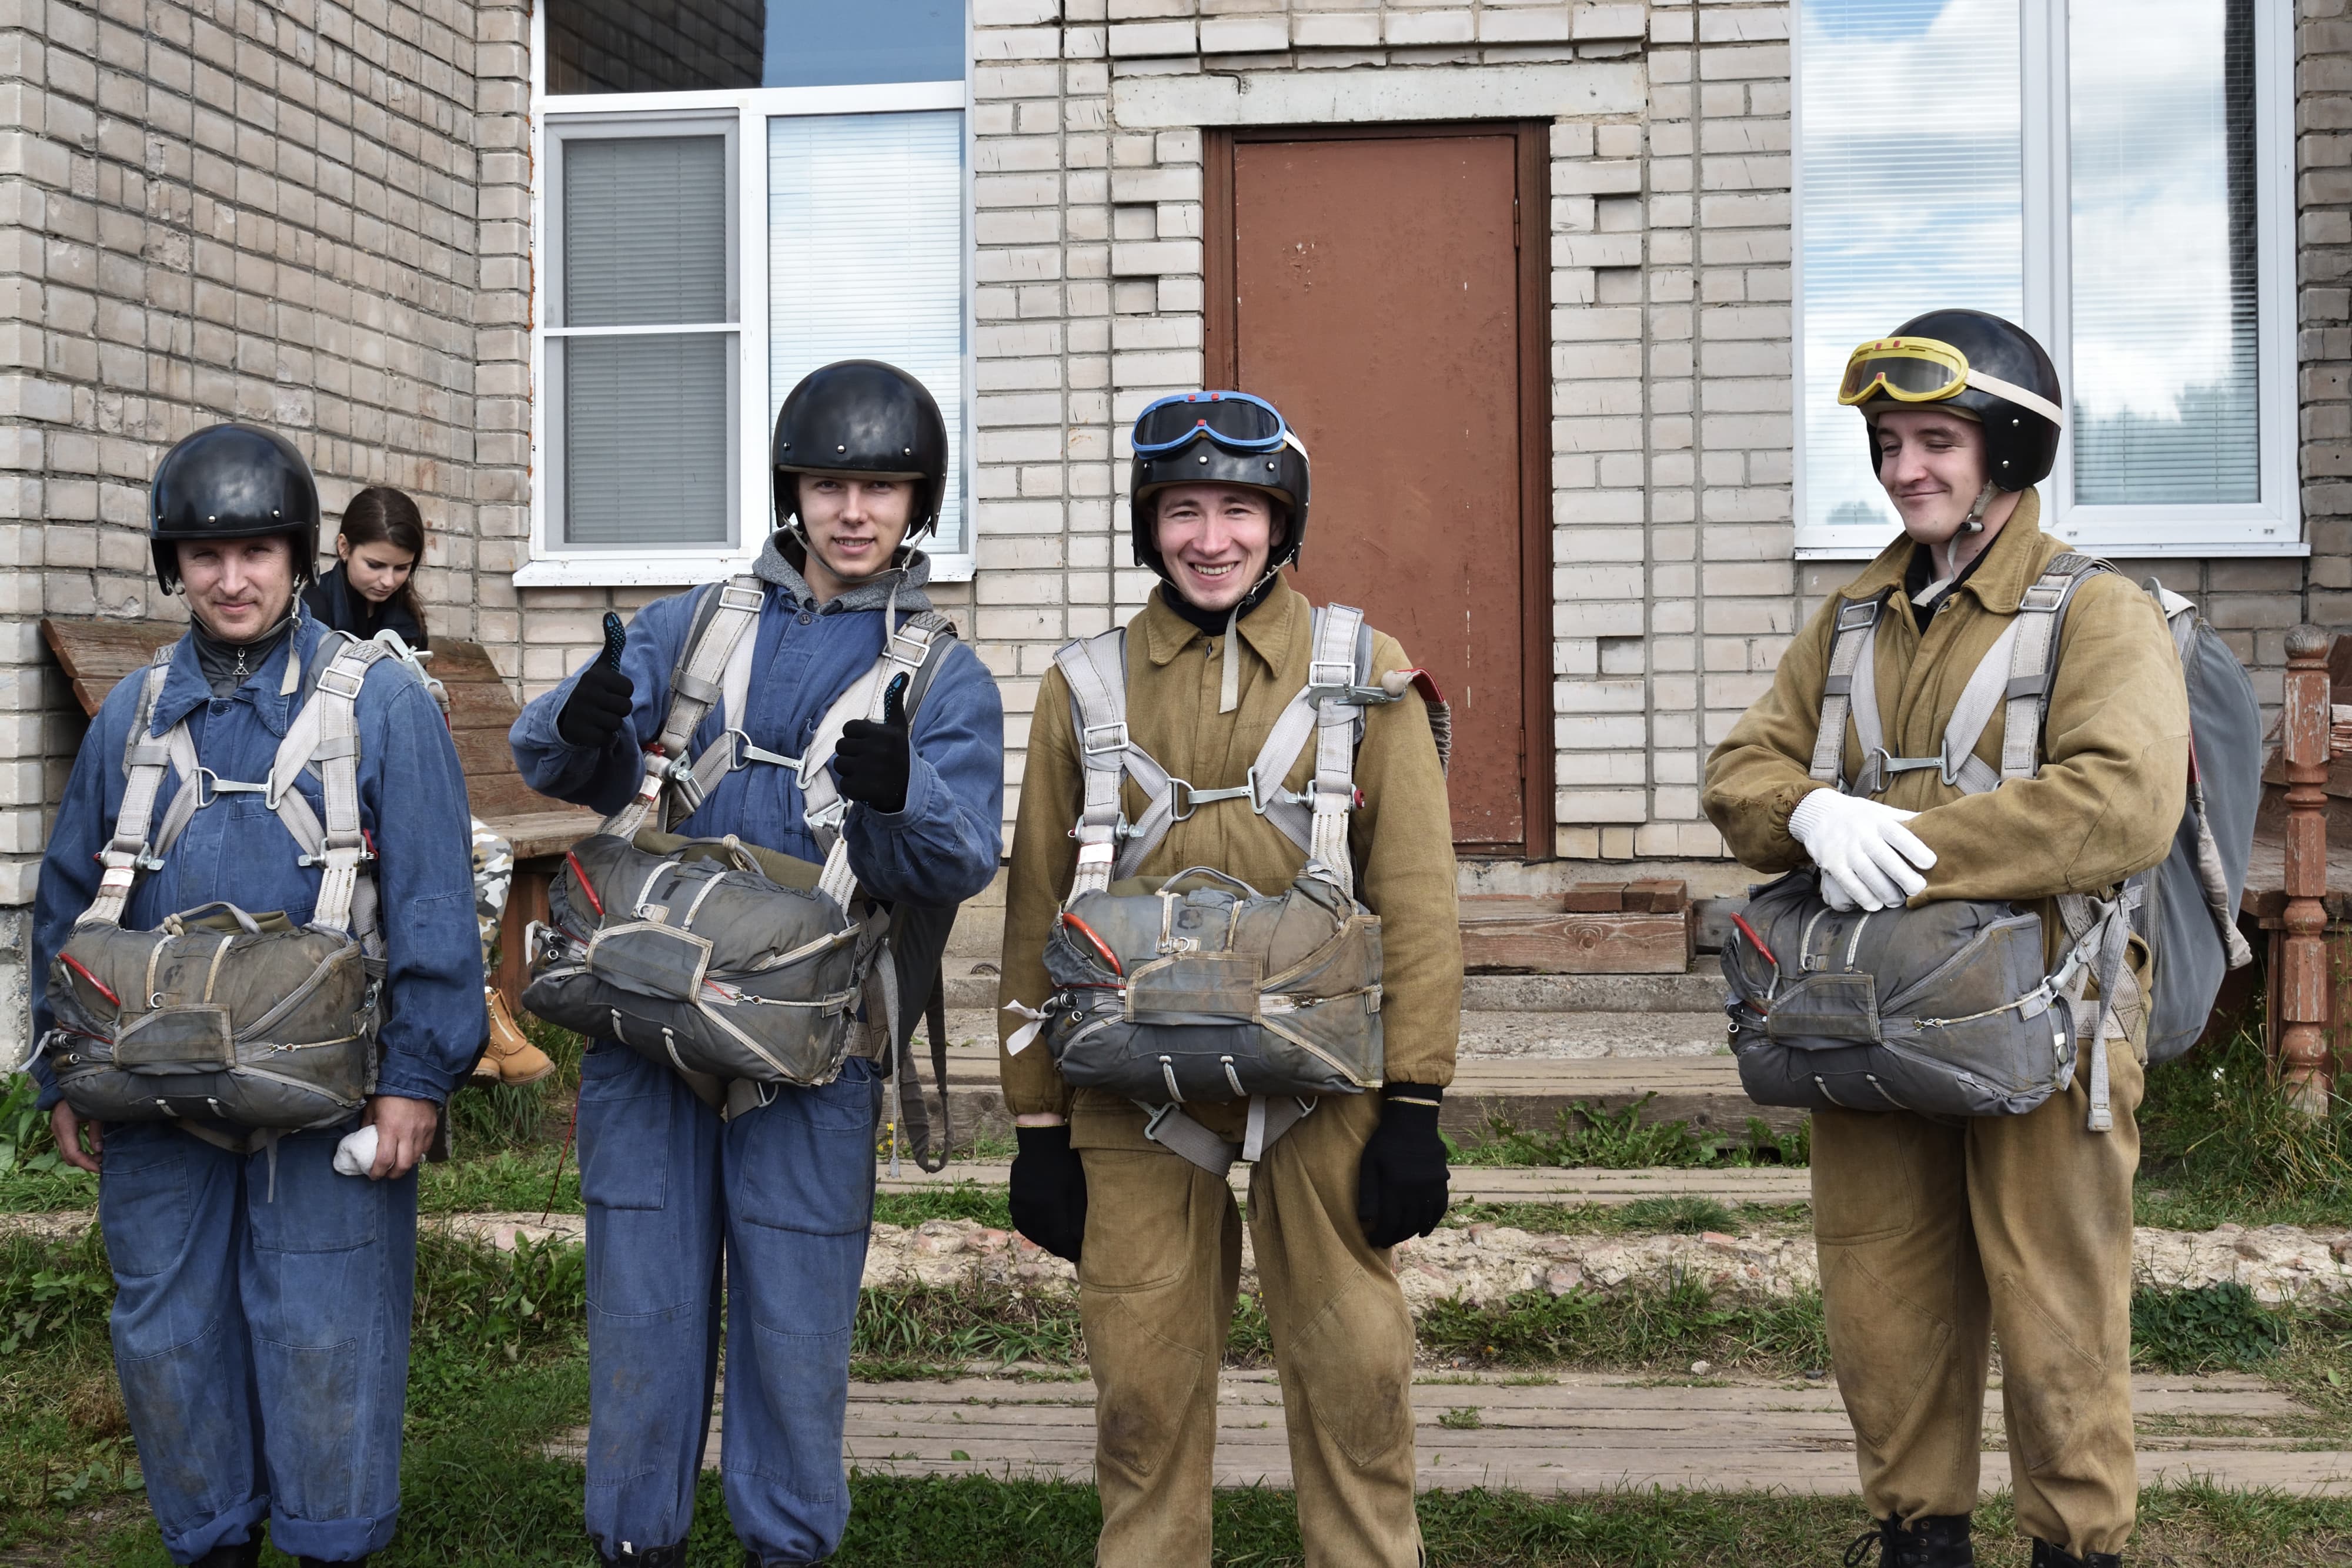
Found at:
(2220, 1142)
(1592, 1135)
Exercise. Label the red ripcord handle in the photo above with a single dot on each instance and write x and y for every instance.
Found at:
(594, 901)
(1749, 931)
(96, 984)
(1101, 946)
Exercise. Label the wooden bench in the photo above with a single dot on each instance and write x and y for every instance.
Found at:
(95, 655)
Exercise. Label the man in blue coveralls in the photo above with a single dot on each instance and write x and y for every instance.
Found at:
(786, 1189)
(261, 1314)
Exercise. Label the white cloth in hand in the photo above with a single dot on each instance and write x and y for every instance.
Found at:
(1863, 847)
(355, 1156)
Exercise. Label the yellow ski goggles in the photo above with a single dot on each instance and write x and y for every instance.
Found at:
(1922, 370)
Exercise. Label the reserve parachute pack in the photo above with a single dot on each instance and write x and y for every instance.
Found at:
(739, 967)
(1198, 987)
(222, 1017)
(1949, 1009)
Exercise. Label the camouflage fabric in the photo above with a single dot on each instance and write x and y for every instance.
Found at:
(493, 878)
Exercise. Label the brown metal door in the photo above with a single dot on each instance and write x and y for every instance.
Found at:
(1378, 296)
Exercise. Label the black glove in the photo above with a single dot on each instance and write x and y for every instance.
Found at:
(1049, 1190)
(591, 715)
(1401, 1186)
(872, 760)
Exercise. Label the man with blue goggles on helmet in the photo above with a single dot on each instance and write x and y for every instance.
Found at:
(1244, 949)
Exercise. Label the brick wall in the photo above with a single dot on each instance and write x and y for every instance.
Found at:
(1675, 584)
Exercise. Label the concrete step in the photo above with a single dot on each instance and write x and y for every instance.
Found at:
(1579, 1432)
(1526, 1067)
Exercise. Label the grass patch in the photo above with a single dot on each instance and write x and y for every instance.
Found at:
(485, 1115)
(1682, 1214)
(1656, 1330)
(2219, 1143)
(989, 1206)
(1592, 1135)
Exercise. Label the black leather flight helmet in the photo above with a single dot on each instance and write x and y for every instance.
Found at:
(861, 417)
(232, 482)
(2021, 443)
(1282, 472)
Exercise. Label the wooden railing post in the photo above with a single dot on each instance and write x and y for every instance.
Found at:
(2305, 1058)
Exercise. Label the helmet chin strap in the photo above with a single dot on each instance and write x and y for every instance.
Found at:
(1971, 524)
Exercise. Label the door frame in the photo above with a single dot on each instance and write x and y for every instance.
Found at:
(1531, 228)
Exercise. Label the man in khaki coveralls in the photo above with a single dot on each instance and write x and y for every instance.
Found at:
(1157, 1238)
(1931, 1235)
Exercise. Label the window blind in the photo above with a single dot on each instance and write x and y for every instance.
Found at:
(647, 420)
(865, 261)
(2165, 390)
(1910, 158)
(647, 438)
(645, 231)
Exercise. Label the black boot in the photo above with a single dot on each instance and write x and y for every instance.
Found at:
(2048, 1556)
(322, 1563)
(243, 1554)
(1936, 1540)
(644, 1557)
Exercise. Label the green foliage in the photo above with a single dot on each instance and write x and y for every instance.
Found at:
(2220, 1141)
(1634, 1328)
(512, 1116)
(1687, 1215)
(1589, 1135)
(33, 1179)
(2208, 1329)
(1462, 1418)
(53, 1295)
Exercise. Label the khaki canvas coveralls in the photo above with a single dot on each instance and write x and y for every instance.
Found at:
(1931, 1236)
(1160, 1265)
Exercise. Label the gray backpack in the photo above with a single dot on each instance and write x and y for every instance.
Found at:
(1946, 1009)
(221, 1016)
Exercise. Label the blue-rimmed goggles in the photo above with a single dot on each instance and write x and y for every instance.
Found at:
(1233, 420)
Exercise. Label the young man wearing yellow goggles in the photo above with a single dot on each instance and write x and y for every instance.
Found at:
(1936, 1234)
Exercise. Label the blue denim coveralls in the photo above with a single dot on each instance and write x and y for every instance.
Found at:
(788, 1189)
(262, 1341)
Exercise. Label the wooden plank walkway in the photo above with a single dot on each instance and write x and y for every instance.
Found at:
(1481, 1184)
(1580, 1433)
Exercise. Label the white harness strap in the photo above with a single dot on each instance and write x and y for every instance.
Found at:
(323, 737)
(1857, 624)
(1315, 819)
(716, 672)
(2014, 674)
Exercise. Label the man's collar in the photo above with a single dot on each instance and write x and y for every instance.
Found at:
(1269, 630)
(775, 565)
(185, 689)
(2010, 563)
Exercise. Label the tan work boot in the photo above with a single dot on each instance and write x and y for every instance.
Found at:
(510, 1058)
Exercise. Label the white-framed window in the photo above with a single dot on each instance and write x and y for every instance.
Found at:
(696, 252)
(2115, 176)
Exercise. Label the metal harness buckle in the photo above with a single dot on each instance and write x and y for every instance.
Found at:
(1183, 799)
(1087, 744)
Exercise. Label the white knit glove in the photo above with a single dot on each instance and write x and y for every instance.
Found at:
(1863, 847)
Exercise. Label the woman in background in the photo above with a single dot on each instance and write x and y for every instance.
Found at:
(371, 590)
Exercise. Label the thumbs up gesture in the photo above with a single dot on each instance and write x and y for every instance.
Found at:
(872, 761)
